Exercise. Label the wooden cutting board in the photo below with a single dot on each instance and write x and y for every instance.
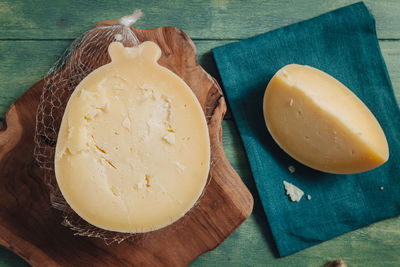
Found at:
(32, 229)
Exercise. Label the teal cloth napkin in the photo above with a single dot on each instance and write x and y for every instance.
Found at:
(342, 43)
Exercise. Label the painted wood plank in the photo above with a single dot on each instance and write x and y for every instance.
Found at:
(252, 243)
(22, 63)
(7, 258)
(212, 19)
(377, 245)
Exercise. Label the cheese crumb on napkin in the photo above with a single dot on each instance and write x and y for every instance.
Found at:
(294, 193)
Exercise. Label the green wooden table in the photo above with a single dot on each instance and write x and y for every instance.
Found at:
(33, 34)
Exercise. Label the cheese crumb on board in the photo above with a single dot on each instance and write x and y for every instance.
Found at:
(118, 37)
(308, 197)
(294, 193)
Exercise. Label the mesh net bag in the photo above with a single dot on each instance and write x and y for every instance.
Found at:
(74, 65)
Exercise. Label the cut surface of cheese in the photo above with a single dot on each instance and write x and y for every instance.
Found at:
(133, 149)
(321, 123)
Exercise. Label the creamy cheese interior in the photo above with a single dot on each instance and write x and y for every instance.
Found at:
(321, 123)
(133, 150)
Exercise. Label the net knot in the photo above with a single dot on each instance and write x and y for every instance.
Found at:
(128, 20)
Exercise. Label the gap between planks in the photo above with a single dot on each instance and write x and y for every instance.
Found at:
(193, 39)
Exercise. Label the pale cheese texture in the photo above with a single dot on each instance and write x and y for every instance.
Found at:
(295, 194)
(133, 150)
(321, 123)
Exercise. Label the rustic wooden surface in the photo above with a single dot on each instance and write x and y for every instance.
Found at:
(33, 35)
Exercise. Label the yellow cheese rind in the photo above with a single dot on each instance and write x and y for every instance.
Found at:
(133, 149)
(321, 123)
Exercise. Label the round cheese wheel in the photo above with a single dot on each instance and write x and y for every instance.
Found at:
(133, 150)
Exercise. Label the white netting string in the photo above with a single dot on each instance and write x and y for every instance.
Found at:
(129, 20)
(87, 53)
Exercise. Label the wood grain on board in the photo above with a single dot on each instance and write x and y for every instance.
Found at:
(31, 228)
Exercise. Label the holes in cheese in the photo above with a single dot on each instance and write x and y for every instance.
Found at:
(133, 149)
(321, 123)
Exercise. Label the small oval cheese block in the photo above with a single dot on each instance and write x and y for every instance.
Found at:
(321, 123)
(133, 150)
